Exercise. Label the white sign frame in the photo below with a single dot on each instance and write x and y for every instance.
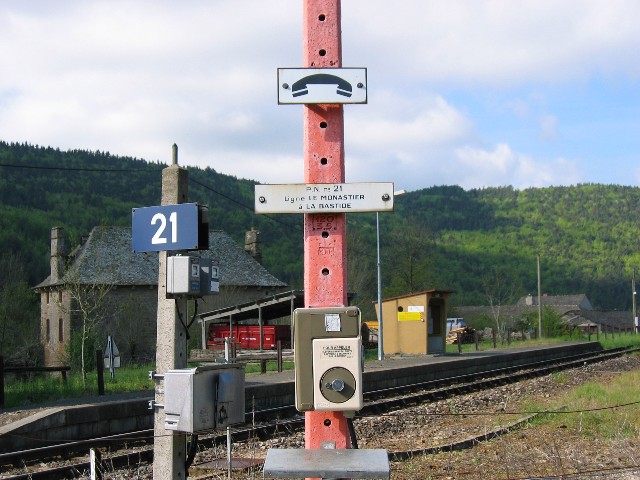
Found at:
(324, 198)
(322, 85)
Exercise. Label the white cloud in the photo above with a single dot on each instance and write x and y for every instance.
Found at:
(272, 169)
(404, 127)
(548, 126)
(134, 77)
(502, 166)
(496, 41)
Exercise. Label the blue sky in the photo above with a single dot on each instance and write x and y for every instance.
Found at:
(475, 93)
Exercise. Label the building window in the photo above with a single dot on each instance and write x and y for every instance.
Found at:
(48, 331)
(60, 330)
(46, 296)
(60, 296)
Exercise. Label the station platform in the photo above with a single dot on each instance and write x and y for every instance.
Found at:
(77, 419)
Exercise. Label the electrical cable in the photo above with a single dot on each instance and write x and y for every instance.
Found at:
(184, 325)
(352, 433)
(79, 169)
(187, 326)
(498, 413)
(296, 226)
(192, 449)
(245, 206)
(195, 314)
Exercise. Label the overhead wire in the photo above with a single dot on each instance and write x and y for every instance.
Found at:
(79, 169)
(296, 226)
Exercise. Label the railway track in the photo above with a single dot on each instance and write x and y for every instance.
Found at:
(70, 460)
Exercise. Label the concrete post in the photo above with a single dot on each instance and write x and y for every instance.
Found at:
(325, 272)
(171, 346)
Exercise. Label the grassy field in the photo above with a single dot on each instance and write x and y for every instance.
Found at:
(43, 388)
(597, 418)
(610, 341)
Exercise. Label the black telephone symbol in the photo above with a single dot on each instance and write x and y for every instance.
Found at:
(300, 87)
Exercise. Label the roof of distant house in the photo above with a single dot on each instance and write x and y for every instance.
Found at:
(557, 300)
(107, 258)
(561, 304)
(619, 319)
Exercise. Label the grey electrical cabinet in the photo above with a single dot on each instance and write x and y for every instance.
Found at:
(192, 277)
(183, 275)
(204, 398)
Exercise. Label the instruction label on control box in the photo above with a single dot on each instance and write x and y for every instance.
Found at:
(337, 351)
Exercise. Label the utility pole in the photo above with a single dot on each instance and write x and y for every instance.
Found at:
(325, 272)
(635, 311)
(539, 301)
(379, 264)
(169, 457)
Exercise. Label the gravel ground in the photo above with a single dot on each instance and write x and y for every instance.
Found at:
(537, 450)
(534, 451)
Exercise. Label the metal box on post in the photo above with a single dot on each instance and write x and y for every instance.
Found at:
(183, 275)
(204, 398)
(328, 359)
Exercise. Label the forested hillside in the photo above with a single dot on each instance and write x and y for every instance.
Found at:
(438, 237)
(586, 237)
(43, 187)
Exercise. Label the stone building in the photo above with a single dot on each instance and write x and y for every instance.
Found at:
(103, 280)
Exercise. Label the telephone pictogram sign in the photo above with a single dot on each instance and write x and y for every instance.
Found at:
(322, 85)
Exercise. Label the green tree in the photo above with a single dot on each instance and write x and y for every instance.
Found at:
(552, 323)
(19, 324)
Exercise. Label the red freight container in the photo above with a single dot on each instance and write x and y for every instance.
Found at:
(249, 336)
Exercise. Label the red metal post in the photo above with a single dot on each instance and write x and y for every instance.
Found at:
(325, 270)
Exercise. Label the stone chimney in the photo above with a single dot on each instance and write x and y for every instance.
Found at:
(58, 253)
(252, 244)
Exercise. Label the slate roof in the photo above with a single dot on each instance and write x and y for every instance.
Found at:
(106, 257)
(561, 304)
(618, 319)
(580, 300)
(575, 309)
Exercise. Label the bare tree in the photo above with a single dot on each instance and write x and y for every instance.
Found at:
(500, 291)
(87, 307)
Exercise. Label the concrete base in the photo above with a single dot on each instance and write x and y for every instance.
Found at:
(326, 463)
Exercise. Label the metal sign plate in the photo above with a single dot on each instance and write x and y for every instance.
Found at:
(322, 85)
(166, 227)
(324, 198)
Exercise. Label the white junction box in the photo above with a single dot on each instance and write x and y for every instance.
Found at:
(183, 275)
(192, 276)
(204, 398)
(337, 373)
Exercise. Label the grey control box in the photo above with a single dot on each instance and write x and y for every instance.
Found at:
(204, 398)
(328, 359)
(192, 276)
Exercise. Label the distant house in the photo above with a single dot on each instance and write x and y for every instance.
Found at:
(559, 303)
(575, 310)
(105, 263)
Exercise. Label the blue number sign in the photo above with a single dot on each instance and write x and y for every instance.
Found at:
(167, 227)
